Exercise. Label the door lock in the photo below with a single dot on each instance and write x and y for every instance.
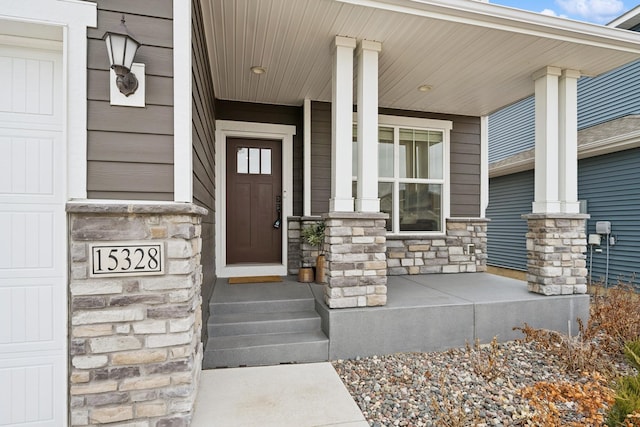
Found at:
(278, 221)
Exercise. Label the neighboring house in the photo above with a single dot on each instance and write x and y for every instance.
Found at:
(117, 213)
(608, 183)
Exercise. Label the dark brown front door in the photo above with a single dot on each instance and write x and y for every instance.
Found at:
(254, 201)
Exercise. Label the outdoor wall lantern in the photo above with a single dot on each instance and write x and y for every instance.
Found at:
(122, 47)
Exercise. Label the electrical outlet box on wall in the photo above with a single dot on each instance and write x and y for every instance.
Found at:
(603, 227)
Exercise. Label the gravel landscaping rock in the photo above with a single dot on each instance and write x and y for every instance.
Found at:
(460, 387)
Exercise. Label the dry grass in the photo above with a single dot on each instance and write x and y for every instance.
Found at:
(576, 354)
(487, 361)
(598, 349)
(615, 318)
(449, 410)
(591, 399)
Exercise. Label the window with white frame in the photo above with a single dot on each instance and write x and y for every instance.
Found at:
(413, 173)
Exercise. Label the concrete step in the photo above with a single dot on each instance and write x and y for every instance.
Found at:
(266, 349)
(263, 306)
(262, 323)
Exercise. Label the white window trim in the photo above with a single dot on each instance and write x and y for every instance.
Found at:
(445, 127)
(283, 133)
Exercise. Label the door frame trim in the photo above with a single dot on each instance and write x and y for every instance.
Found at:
(283, 133)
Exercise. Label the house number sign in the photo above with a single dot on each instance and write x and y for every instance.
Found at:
(126, 259)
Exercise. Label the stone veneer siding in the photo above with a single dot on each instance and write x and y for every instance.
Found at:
(556, 247)
(135, 349)
(356, 259)
(416, 254)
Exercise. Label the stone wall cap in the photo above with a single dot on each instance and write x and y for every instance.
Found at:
(468, 219)
(558, 215)
(355, 215)
(114, 207)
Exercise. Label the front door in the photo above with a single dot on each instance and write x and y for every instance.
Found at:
(254, 201)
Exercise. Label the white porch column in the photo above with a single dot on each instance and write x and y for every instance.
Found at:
(568, 142)
(546, 141)
(342, 125)
(556, 239)
(367, 200)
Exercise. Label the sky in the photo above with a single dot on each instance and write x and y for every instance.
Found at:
(596, 11)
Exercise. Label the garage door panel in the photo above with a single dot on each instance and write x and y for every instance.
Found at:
(33, 249)
(28, 93)
(28, 246)
(27, 387)
(28, 166)
(30, 315)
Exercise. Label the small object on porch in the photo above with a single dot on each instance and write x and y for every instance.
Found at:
(320, 269)
(314, 235)
(305, 275)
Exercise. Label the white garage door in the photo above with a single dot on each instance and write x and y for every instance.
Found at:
(33, 299)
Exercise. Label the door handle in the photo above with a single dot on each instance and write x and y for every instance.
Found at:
(278, 221)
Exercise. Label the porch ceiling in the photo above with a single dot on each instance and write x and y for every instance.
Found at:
(478, 57)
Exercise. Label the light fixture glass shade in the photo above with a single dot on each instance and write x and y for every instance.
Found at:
(122, 48)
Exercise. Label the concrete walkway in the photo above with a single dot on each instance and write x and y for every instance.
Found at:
(305, 395)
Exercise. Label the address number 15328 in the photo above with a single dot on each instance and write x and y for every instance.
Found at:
(126, 259)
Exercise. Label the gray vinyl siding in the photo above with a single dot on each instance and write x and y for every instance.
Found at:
(600, 99)
(275, 114)
(512, 130)
(510, 197)
(130, 150)
(464, 167)
(611, 186)
(609, 96)
(203, 140)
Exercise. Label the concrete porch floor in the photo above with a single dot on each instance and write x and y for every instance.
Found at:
(440, 311)
(424, 312)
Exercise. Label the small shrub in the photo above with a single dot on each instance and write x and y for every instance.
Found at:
(632, 352)
(575, 353)
(626, 409)
(313, 235)
(449, 410)
(615, 318)
(488, 362)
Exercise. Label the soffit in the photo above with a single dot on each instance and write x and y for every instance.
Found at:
(478, 57)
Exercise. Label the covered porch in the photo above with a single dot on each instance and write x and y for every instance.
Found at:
(389, 103)
(423, 313)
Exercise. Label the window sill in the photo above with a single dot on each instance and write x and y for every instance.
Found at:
(416, 235)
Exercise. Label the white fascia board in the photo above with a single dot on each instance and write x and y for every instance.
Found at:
(628, 20)
(508, 19)
(182, 114)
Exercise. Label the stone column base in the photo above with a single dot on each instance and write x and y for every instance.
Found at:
(355, 247)
(134, 338)
(556, 247)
